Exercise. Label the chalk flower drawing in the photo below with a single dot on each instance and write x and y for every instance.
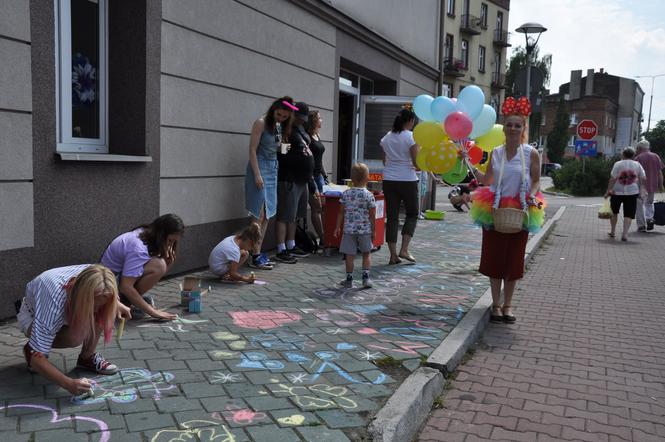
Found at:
(223, 378)
(297, 378)
(368, 356)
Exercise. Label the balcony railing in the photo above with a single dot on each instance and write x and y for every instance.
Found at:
(501, 38)
(470, 24)
(454, 67)
(498, 80)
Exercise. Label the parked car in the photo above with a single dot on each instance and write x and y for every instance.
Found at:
(548, 169)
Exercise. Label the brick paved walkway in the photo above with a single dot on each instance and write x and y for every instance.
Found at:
(586, 359)
(294, 359)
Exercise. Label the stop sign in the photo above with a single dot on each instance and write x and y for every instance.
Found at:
(587, 129)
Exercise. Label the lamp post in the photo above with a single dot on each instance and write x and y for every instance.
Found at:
(530, 29)
(653, 78)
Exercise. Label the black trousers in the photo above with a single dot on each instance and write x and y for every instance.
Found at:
(396, 193)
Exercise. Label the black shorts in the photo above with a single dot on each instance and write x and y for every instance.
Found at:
(629, 205)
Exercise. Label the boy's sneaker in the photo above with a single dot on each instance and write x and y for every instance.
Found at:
(137, 313)
(261, 262)
(367, 283)
(298, 252)
(650, 224)
(347, 283)
(285, 257)
(96, 363)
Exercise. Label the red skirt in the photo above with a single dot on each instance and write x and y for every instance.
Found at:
(503, 254)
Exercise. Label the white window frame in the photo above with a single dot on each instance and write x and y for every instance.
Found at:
(450, 10)
(63, 62)
(464, 52)
(482, 53)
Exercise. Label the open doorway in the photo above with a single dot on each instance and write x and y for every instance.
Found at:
(346, 134)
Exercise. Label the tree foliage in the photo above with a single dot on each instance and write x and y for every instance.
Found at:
(557, 139)
(656, 137)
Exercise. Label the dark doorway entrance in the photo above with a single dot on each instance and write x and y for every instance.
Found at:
(345, 135)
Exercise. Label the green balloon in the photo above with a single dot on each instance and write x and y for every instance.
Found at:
(457, 174)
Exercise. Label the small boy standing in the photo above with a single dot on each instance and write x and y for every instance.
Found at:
(357, 216)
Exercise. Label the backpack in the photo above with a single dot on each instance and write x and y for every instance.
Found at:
(659, 213)
(305, 240)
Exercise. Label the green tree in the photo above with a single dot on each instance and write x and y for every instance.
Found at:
(656, 137)
(557, 139)
(517, 61)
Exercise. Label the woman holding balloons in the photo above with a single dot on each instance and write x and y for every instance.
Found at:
(513, 177)
(400, 182)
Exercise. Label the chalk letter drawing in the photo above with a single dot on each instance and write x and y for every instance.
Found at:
(105, 434)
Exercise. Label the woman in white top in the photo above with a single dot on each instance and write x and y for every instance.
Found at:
(627, 182)
(400, 183)
(502, 256)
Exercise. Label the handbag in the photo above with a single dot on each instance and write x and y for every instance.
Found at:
(508, 220)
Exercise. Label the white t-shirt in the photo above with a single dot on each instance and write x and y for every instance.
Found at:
(223, 255)
(627, 174)
(399, 166)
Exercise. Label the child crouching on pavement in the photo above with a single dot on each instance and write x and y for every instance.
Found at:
(460, 195)
(230, 254)
(357, 216)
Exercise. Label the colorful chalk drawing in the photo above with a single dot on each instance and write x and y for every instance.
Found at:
(294, 419)
(377, 295)
(223, 354)
(263, 319)
(240, 416)
(281, 340)
(104, 433)
(341, 346)
(259, 360)
(326, 358)
(223, 378)
(341, 318)
(366, 309)
(175, 326)
(201, 430)
(297, 378)
(318, 396)
(295, 357)
(225, 336)
(404, 347)
(125, 386)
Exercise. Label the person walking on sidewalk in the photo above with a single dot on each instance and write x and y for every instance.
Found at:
(513, 177)
(313, 126)
(67, 307)
(400, 183)
(295, 172)
(358, 218)
(627, 183)
(268, 133)
(653, 168)
(140, 258)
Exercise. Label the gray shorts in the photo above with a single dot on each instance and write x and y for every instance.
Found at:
(352, 242)
(291, 201)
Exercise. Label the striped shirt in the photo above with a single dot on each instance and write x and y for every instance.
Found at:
(45, 300)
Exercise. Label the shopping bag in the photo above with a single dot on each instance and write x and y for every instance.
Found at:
(605, 212)
(659, 213)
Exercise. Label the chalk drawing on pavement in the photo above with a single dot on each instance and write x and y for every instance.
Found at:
(126, 385)
(263, 319)
(318, 396)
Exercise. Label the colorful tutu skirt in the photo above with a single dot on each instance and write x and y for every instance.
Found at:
(481, 209)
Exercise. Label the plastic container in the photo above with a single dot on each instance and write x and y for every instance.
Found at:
(435, 215)
(195, 302)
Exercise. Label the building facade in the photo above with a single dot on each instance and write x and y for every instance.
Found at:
(613, 103)
(116, 111)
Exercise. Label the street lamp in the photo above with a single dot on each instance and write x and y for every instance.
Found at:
(530, 29)
(653, 77)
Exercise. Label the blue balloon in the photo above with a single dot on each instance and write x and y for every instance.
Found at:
(483, 122)
(421, 106)
(441, 108)
(471, 101)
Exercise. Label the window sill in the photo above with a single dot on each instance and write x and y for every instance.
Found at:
(73, 156)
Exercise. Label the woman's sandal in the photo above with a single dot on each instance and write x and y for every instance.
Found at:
(408, 257)
(610, 234)
(508, 317)
(495, 314)
(393, 261)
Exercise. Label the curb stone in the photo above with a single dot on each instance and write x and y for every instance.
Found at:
(401, 417)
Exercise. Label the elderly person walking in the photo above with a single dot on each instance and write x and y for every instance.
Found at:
(627, 183)
(653, 168)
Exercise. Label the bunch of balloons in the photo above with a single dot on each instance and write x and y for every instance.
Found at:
(451, 127)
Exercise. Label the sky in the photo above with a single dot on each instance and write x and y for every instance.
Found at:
(625, 37)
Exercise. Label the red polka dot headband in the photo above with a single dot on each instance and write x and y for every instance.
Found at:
(516, 107)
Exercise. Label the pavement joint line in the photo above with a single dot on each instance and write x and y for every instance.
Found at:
(406, 410)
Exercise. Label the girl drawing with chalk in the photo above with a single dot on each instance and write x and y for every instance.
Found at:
(230, 254)
(66, 307)
(140, 258)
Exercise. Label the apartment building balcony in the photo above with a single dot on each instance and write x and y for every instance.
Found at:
(501, 38)
(454, 67)
(471, 25)
(498, 80)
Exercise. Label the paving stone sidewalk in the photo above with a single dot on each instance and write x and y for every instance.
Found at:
(586, 358)
(296, 358)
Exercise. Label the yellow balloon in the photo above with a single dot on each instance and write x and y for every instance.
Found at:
(429, 134)
(421, 158)
(443, 158)
(482, 167)
(491, 139)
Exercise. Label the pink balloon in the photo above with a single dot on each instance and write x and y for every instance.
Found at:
(458, 125)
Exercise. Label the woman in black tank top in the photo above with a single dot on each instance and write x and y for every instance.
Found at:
(313, 126)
